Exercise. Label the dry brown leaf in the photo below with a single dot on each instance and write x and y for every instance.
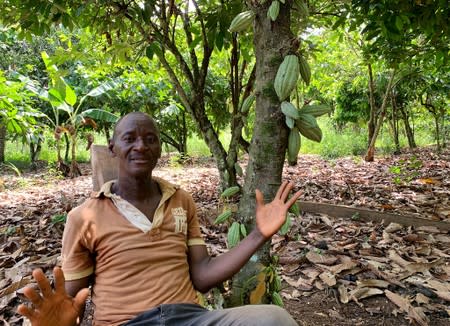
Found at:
(393, 227)
(415, 313)
(343, 294)
(421, 299)
(363, 292)
(328, 278)
(336, 269)
(372, 283)
(324, 259)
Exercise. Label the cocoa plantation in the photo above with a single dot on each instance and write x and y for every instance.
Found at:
(348, 100)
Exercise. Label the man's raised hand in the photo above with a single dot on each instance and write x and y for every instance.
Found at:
(270, 217)
(52, 307)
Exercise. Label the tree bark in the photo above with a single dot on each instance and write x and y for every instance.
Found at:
(371, 149)
(408, 129)
(272, 41)
(373, 107)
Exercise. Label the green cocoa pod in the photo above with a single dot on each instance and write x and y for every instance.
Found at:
(287, 76)
(315, 110)
(302, 8)
(276, 299)
(290, 122)
(242, 21)
(290, 110)
(273, 10)
(247, 104)
(305, 70)
(230, 191)
(233, 236)
(223, 217)
(294, 144)
(308, 127)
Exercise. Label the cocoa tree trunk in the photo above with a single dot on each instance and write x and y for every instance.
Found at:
(370, 155)
(373, 107)
(408, 129)
(272, 41)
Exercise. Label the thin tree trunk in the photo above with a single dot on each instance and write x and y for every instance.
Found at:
(394, 124)
(408, 129)
(373, 108)
(371, 149)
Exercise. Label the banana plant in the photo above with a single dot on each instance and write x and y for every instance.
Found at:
(63, 98)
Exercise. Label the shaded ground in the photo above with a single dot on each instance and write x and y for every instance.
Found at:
(417, 184)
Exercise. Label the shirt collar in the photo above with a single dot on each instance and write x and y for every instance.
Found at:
(167, 189)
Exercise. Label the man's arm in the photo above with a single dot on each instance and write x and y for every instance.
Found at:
(207, 272)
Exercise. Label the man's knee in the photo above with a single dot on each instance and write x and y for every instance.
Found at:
(266, 315)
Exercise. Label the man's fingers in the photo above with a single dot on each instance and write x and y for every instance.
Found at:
(33, 296)
(259, 198)
(25, 311)
(80, 298)
(281, 189)
(294, 198)
(59, 280)
(43, 282)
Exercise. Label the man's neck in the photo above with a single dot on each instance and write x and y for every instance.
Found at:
(136, 188)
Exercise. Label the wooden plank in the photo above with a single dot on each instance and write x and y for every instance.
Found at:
(369, 215)
(104, 166)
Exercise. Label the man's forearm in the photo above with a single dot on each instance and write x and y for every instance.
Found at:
(215, 270)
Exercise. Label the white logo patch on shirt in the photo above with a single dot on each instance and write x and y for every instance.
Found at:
(180, 218)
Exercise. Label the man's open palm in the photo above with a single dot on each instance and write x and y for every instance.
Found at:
(52, 307)
(270, 217)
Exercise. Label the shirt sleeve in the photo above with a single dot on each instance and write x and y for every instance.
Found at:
(195, 236)
(77, 258)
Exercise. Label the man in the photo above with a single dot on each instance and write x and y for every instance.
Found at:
(138, 242)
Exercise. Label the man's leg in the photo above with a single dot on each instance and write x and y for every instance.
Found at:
(250, 315)
(195, 315)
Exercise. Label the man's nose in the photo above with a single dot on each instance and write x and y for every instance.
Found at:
(140, 144)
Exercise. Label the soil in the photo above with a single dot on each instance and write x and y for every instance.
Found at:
(36, 197)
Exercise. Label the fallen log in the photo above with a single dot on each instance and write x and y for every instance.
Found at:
(364, 214)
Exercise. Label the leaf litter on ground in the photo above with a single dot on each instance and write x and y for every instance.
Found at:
(351, 259)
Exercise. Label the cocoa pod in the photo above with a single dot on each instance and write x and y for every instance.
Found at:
(242, 21)
(287, 76)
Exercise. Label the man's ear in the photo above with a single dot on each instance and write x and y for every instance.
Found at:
(111, 148)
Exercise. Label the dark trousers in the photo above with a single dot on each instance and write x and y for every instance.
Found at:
(186, 314)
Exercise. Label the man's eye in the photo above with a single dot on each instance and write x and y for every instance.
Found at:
(128, 139)
(151, 139)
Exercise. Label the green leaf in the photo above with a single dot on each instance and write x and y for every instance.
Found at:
(100, 115)
(286, 226)
(101, 89)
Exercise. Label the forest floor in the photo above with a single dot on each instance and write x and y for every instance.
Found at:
(334, 271)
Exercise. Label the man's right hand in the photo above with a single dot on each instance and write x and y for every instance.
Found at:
(52, 307)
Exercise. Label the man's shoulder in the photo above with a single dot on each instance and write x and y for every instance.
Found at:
(91, 204)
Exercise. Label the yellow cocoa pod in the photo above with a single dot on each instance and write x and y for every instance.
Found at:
(242, 21)
(287, 76)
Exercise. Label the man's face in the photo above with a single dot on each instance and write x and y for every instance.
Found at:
(136, 143)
